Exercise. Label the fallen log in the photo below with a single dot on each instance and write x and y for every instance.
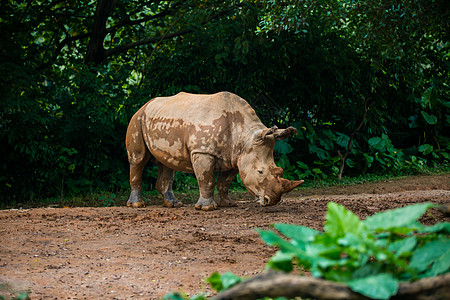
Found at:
(277, 284)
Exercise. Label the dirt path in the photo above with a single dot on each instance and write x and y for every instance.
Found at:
(124, 253)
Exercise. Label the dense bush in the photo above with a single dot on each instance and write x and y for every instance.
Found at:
(366, 83)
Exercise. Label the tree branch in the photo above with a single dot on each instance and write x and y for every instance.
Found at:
(343, 157)
(124, 48)
(127, 21)
(60, 46)
(277, 284)
(153, 52)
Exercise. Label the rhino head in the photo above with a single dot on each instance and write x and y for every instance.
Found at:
(259, 174)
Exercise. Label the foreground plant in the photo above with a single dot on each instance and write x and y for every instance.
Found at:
(372, 256)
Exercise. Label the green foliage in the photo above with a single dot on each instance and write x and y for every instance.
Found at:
(70, 82)
(372, 256)
(218, 282)
(223, 282)
(178, 296)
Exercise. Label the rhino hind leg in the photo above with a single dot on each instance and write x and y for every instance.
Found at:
(138, 156)
(204, 171)
(164, 186)
(223, 185)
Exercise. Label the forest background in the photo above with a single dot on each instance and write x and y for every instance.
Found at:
(366, 83)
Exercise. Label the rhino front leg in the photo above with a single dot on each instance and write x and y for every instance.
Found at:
(203, 165)
(164, 186)
(223, 185)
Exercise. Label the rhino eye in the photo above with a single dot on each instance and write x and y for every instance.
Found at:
(260, 171)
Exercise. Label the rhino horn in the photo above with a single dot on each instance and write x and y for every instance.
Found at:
(288, 185)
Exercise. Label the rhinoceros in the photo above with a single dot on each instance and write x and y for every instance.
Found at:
(202, 134)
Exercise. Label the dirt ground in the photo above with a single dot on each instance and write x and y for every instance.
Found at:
(125, 253)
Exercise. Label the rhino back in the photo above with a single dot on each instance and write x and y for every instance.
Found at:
(176, 127)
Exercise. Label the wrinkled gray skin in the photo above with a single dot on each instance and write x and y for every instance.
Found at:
(202, 134)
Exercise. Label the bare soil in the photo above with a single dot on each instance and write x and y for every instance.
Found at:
(125, 253)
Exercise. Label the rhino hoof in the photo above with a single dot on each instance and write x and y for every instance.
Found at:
(169, 204)
(138, 204)
(206, 207)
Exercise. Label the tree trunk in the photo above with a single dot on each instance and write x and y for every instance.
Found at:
(95, 51)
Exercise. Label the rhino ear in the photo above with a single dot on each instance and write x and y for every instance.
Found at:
(279, 134)
(269, 131)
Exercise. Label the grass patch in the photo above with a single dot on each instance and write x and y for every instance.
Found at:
(187, 191)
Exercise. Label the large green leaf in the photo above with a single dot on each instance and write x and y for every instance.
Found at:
(425, 149)
(429, 253)
(403, 246)
(429, 97)
(340, 221)
(342, 139)
(439, 227)
(224, 281)
(282, 147)
(269, 237)
(380, 286)
(399, 217)
(274, 240)
(430, 119)
(321, 153)
(229, 279)
(441, 265)
(281, 261)
(296, 232)
(377, 143)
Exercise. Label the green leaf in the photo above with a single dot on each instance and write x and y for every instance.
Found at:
(402, 246)
(441, 265)
(425, 149)
(282, 147)
(283, 162)
(274, 240)
(342, 139)
(296, 232)
(380, 286)
(430, 119)
(229, 279)
(439, 227)
(317, 170)
(350, 163)
(366, 271)
(340, 221)
(377, 143)
(326, 143)
(215, 282)
(200, 296)
(432, 251)
(222, 282)
(281, 261)
(321, 153)
(429, 97)
(302, 165)
(399, 217)
(173, 296)
(269, 237)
